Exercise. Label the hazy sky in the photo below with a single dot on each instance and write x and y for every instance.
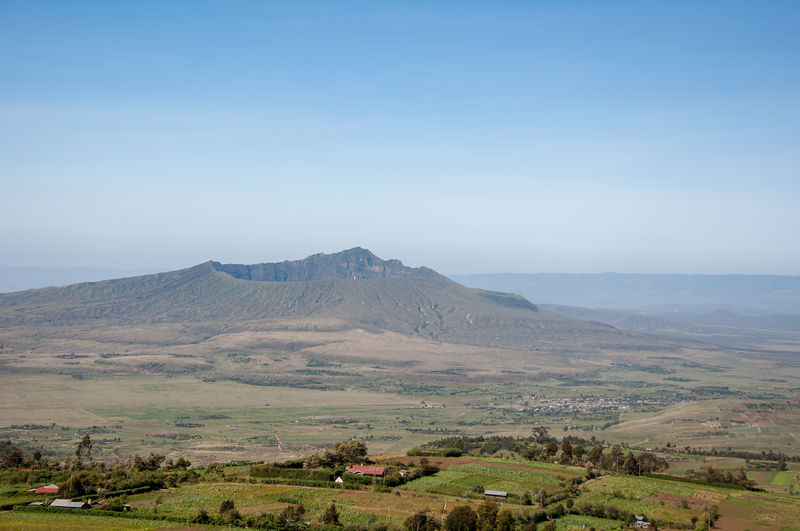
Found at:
(469, 137)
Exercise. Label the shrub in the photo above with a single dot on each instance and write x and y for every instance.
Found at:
(201, 517)
(331, 516)
(462, 518)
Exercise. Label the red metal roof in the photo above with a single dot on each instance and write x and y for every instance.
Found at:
(46, 490)
(366, 470)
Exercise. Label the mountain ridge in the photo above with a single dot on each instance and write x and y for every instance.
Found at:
(351, 264)
(355, 287)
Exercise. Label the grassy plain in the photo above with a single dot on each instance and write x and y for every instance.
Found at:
(277, 404)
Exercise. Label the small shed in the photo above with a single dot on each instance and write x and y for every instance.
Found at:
(338, 480)
(495, 493)
(69, 504)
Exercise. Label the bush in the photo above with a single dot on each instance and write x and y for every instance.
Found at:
(462, 518)
(556, 512)
(421, 522)
(331, 516)
(201, 517)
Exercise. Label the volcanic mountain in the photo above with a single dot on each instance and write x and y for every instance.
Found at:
(352, 289)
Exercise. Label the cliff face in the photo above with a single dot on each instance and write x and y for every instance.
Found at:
(352, 264)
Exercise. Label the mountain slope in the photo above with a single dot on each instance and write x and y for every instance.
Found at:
(354, 287)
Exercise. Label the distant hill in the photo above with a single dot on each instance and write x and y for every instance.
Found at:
(697, 294)
(765, 333)
(354, 288)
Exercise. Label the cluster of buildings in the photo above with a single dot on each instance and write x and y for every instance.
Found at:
(66, 503)
(584, 404)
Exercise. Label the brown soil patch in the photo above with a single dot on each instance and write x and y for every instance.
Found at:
(736, 511)
(674, 499)
(734, 524)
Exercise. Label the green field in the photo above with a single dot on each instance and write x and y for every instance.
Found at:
(459, 480)
(661, 500)
(78, 522)
(784, 479)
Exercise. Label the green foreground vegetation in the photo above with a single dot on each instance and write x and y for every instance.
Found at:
(439, 486)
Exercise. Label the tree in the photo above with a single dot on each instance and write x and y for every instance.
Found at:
(350, 452)
(331, 516)
(551, 449)
(426, 468)
(344, 453)
(556, 511)
(462, 518)
(213, 468)
(615, 459)
(84, 449)
(504, 521)
(566, 451)
(14, 459)
(74, 486)
(631, 464)
(577, 452)
(487, 514)
(596, 454)
(526, 498)
(531, 453)
(541, 434)
(421, 522)
(650, 462)
(149, 463)
(542, 494)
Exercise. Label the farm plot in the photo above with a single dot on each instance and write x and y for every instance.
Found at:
(672, 501)
(355, 506)
(466, 479)
(79, 522)
(784, 479)
(658, 499)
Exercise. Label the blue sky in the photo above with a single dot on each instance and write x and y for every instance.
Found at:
(469, 137)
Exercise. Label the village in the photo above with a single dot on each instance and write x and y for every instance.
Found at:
(532, 404)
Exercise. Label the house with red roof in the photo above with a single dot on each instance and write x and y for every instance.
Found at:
(47, 489)
(365, 470)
